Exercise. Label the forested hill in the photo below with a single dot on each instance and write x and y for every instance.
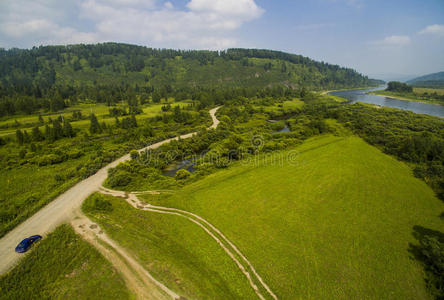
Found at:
(430, 80)
(41, 68)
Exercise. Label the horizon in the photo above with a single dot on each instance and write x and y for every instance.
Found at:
(388, 41)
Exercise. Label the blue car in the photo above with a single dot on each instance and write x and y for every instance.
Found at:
(27, 243)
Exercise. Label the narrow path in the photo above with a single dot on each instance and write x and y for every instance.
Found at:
(232, 251)
(64, 207)
(138, 280)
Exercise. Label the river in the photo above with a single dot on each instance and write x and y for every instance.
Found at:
(417, 107)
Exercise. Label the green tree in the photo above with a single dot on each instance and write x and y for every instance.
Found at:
(134, 154)
(19, 136)
(182, 174)
(26, 138)
(57, 129)
(67, 129)
(37, 134)
(94, 126)
(157, 97)
(49, 136)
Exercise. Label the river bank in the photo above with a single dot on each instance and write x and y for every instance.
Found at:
(393, 95)
(367, 96)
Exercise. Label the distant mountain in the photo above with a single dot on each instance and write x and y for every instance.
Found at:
(434, 80)
(393, 76)
(118, 64)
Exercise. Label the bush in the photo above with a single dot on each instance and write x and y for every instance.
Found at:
(119, 178)
(97, 203)
(134, 154)
(431, 252)
(75, 154)
(49, 159)
(222, 162)
(182, 174)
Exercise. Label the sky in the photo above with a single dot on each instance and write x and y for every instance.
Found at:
(386, 39)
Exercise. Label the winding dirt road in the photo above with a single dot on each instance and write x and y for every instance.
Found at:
(254, 279)
(65, 207)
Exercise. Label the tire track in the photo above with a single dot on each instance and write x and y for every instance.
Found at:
(210, 229)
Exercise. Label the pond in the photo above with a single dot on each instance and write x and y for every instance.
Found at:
(187, 164)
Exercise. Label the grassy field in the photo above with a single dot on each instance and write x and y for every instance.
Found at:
(22, 194)
(428, 90)
(417, 95)
(63, 266)
(175, 251)
(8, 125)
(335, 223)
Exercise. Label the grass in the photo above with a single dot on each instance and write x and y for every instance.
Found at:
(174, 250)
(7, 124)
(21, 194)
(417, 95)
(428, 90)
(286, 106)
(335, 223)
(63, 266)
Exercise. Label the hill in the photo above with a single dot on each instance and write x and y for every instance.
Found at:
(335, 222)
(435, 80)
(123, 64)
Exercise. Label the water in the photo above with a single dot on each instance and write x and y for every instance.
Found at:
(285, 129)
(187, 164)
(416, 107)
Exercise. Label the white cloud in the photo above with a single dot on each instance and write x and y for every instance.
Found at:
(394, 40)
(204, 24)
(436, 29)
(168, 5)
(246, 9)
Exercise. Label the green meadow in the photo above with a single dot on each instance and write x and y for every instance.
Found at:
(419, 94)
(63, 266)
(8, 125)
(334, 220)
(174, 250)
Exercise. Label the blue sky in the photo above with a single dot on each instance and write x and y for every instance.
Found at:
(387, 39)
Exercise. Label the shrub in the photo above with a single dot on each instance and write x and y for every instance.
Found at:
(49, 159)
(134, 154)
(222, 162)
(431, 253)
(182, 174)
(119, 178)
(97, 202)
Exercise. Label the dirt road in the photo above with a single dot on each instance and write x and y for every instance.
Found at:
(64, 208)
(230, 249)
(138, 280)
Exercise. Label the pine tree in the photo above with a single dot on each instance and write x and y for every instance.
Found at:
(94, 127)
(57, 129)
(36, 134)
(133, 121)
(49, 134)
(19, 136)
(26, 138)
(67, 129)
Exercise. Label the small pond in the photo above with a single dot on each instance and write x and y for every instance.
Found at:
(187, 164)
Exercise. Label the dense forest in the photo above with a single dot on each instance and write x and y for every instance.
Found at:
(53, 77)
